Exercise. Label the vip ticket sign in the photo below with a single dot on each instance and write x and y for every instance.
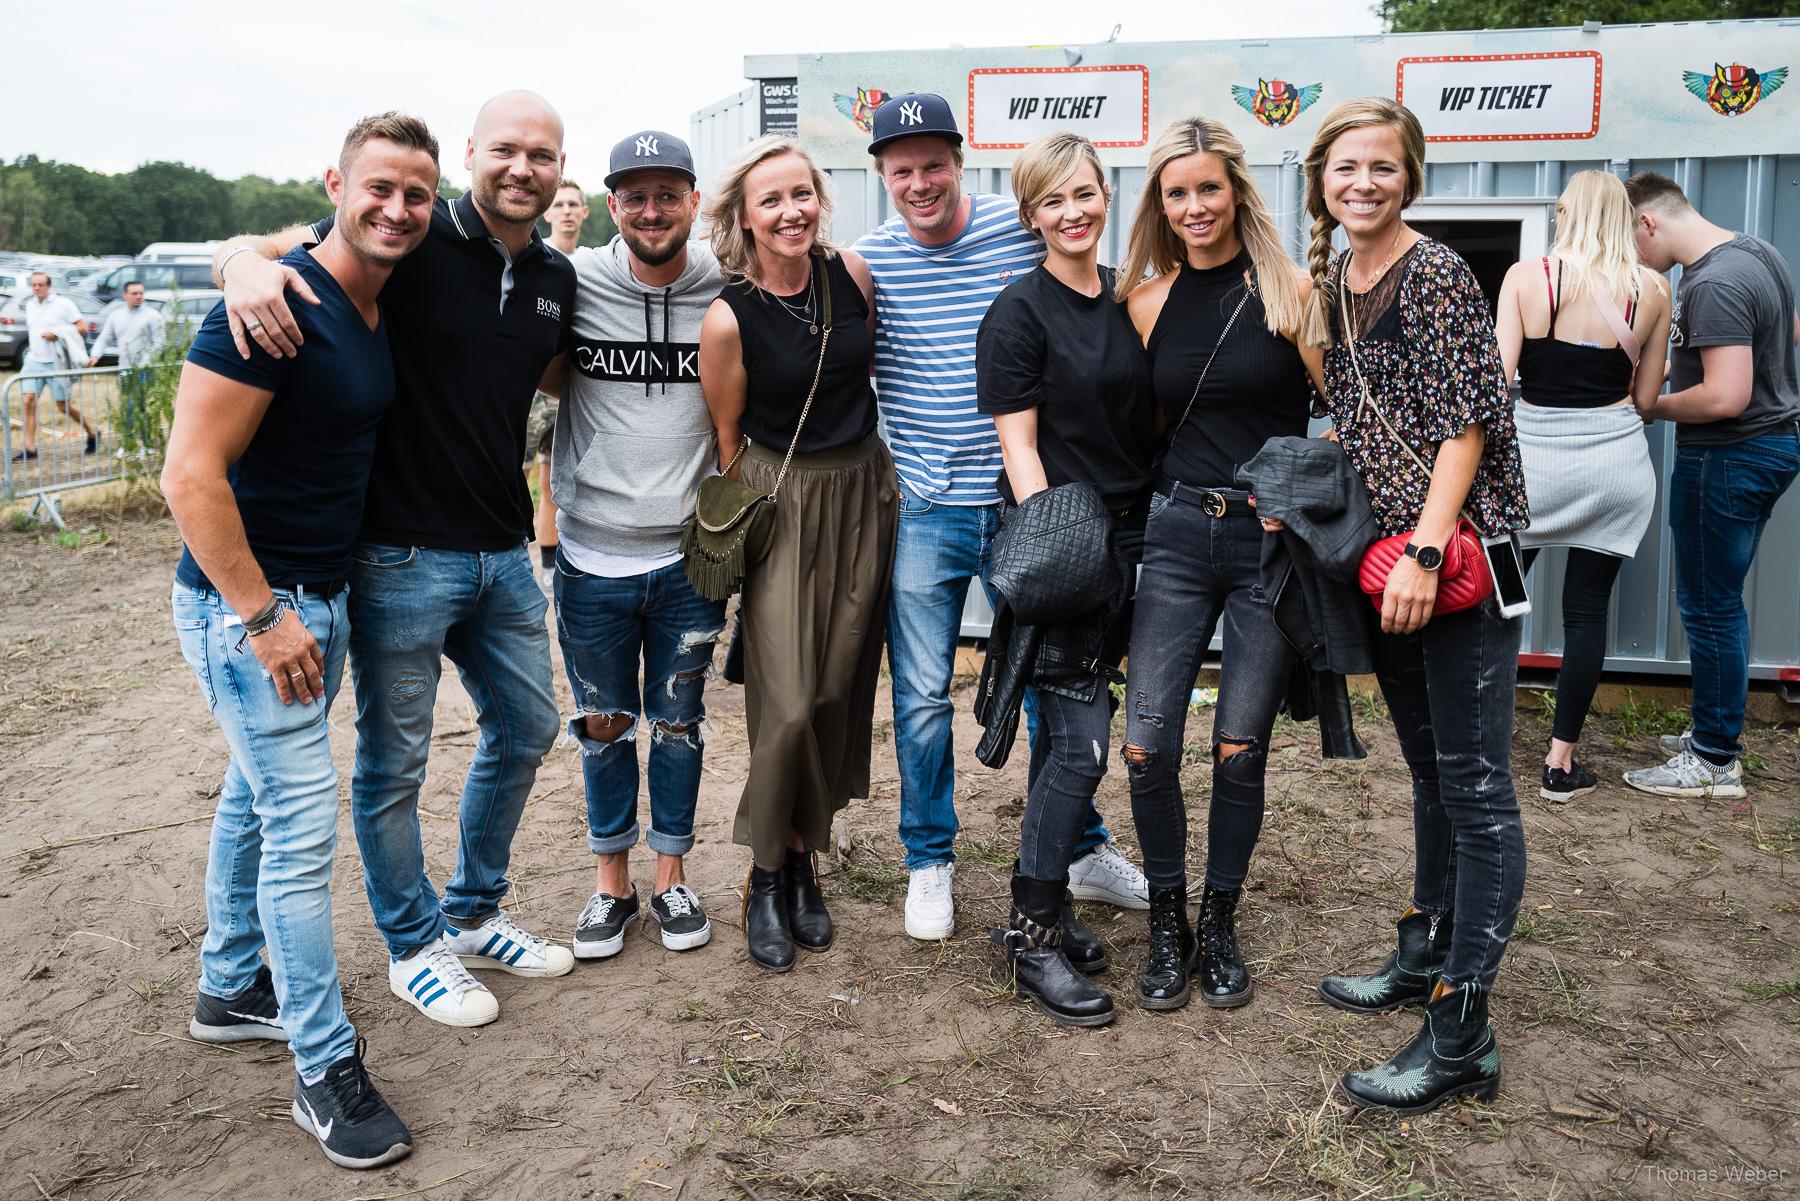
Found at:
(1503, 97)
(1011, 106)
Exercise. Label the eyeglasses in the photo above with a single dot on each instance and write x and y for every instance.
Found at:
(666, 202)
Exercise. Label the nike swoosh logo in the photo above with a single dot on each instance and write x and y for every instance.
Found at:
(253, 1017)
(323, 1128)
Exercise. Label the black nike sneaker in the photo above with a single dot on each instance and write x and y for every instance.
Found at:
(250, 1014)
(353, 1123)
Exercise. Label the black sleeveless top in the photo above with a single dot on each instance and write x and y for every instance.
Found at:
(780, 355)
(1563, 375)
(1257, 388)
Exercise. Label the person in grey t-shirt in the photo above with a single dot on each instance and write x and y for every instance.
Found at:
(1737, 406)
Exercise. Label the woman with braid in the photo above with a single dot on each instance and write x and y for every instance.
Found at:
(1419, 401)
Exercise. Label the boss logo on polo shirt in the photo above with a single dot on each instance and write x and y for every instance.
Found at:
(639, 362)
(549, 308)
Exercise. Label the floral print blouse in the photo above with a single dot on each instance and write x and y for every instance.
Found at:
(1427, 350)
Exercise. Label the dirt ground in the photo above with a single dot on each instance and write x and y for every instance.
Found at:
(1649, 1010)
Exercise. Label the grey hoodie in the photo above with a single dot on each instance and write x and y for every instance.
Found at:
(633, 436)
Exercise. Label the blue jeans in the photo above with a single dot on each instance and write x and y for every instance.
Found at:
(411, 607)
(268, 871)
(1197, 570)
(1720, 498)
(938, 550)
(605, 625)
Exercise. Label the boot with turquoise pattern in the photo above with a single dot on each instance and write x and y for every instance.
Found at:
(1406, 977)
(1454, 1055)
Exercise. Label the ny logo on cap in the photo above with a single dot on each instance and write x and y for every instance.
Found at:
(911, 114)
(646, 145)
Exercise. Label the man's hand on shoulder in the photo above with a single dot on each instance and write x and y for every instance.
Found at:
(256, 305)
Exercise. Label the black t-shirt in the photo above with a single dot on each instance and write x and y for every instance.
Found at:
(1737, 294)
(1256, 389)
(299, 484)
(447, 461)
(781, 354)
(1078, 361)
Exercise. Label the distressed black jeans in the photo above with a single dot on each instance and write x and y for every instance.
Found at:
(1450, 690)
(1197, 570)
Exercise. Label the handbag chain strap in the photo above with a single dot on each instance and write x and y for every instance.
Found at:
(824, 341)
(1249, 290)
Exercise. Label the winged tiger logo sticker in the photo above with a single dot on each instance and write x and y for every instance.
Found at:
(1276, 102)
(861, 107)
(1733, 91)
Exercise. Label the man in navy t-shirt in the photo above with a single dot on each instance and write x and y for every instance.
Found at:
(266, 470)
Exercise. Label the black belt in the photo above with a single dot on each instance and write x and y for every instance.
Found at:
(322, 589)
(1214, 502)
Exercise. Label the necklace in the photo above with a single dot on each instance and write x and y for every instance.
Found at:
(1399, 228)
(806, 313)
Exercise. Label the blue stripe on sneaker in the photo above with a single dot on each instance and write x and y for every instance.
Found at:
(429, 983)
(487, 948)
(434, 996)
(515, 956)
(423, 973)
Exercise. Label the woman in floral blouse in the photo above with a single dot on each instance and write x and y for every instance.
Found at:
(1402, 314)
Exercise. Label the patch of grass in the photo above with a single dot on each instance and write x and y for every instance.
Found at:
(1769, 990)
(692, 1011)
(1754, 764)
(22, 522)
(1636, 720)
(1005, 1180)
(998, 852)
(876, 881)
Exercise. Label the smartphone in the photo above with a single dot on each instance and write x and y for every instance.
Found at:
(1508, 571)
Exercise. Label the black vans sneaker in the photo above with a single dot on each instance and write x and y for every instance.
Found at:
(676, 910)
(600, 930)
(1560, 786)
(250, 1014)
(353, 1123)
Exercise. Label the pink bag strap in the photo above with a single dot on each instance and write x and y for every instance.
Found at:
(1628, 341)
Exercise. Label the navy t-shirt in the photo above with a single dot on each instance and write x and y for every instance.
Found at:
(300, 482)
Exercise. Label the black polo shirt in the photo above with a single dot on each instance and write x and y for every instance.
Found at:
(446, 471)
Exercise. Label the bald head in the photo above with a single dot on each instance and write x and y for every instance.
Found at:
(515, 160)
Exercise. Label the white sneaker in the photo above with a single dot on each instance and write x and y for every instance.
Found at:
(500, 944)
(930, 909)
(434, 981)
(1688, 775)
(1106, 875)
(1674, 744)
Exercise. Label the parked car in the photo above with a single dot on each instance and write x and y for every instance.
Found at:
(13, 332)
(16, 280)
(156, 277)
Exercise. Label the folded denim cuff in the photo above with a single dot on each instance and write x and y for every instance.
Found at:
(668, 844)
(612, 844)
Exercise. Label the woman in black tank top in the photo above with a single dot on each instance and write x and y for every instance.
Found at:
(1218, 319)
(1576, 324)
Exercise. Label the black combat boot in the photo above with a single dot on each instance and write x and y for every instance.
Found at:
(1041, 971)
(1164, 983)
(1224, 980)
(807, 917)
(766, 929)
(1406, 977)
(1087, 954)
(1454, 1054)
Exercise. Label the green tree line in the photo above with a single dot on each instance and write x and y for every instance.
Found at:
(1430, 16)
(47, 207)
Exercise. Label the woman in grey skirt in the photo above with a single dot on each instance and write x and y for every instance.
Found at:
(1587, 330)
(784, 363)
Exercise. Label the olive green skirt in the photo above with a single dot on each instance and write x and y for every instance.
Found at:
(814, 615)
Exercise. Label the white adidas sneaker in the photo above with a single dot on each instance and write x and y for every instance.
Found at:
(434, 981)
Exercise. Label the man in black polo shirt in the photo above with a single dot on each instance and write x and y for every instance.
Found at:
(266, 471)
(441, 567)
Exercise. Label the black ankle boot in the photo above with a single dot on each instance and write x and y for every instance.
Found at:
(1164, 983)
(1041, 971)
(807, 917)
(1224, 980)
(766, 930)
(1406, 977)
(1454, 1054)
(1087, 954)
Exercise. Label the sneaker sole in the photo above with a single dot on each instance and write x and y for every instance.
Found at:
(1484, 1090)
(483, 963)
(1564, 797)
(686, 942)
(441, 1018)
(603, 948)
(1089, 892)
(925, 932)
(397, 1151)
(1727, 792)
(242, 1033)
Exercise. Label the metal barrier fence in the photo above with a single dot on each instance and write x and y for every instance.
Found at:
(82, 427)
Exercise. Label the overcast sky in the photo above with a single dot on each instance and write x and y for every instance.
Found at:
(269, 88)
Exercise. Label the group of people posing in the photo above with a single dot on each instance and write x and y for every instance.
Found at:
(344, 468)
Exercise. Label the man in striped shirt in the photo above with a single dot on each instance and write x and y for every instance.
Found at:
(937, 265)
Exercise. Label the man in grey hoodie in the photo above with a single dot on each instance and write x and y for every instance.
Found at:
(633, 441)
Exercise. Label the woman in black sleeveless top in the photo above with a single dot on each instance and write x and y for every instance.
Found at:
(1581, 435)
(796, 310)
(1218, 319)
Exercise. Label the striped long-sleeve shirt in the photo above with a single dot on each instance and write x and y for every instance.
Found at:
(929, 303)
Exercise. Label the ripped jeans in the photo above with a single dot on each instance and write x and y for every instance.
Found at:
(605, 626)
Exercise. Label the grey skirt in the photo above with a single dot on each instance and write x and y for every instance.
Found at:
(1588, 477)
(814, 614)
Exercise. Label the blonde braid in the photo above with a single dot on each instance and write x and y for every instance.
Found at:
(1317, 329)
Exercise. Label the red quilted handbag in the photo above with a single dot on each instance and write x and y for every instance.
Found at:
(1463, 581)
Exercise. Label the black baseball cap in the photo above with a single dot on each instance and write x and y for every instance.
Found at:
(911, 115)
(651, 149)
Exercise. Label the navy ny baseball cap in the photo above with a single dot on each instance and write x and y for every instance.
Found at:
(647, 150)
(911, 115)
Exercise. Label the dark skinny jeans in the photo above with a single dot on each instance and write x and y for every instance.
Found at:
(1587, 592)
(1449, 688)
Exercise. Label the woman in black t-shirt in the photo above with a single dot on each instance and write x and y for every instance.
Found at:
(1064, 375)
(1220, 320)
(798, 317)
